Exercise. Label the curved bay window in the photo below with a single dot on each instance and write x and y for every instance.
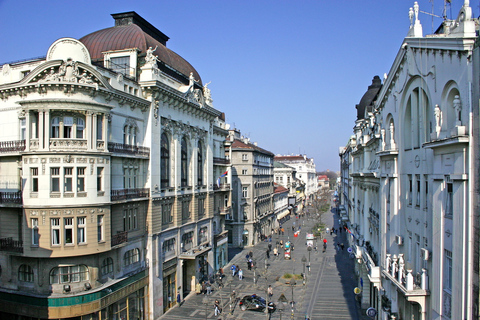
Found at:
(68, 127)
(69, 274)
(164, 162)
(184, 163)
(107, 266)
(131, 257)
(200, 164)
(25, 273)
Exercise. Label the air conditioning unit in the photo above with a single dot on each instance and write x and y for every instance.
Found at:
(425, 254)
(399, 240)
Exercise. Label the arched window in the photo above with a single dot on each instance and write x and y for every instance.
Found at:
(184, 164)
(131, 257)
(69, 274)
(107, 266)
(200, 163)
(25, 273)
(56, 127)
(164, 162)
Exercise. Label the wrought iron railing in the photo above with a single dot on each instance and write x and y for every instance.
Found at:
(11, 197)
(10, 245)
(220, 160)
(128, 149)
(124, 194)
(120, 237)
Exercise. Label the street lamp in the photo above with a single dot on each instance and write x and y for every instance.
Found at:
(281, 307)
(304, 260)
(205, 302)
(292, 303)
(254, 271)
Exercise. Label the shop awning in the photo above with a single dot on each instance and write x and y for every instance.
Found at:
(283, 214)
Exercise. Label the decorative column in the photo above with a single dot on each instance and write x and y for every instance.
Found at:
(424, 279)
(409, 282)
(401, 268)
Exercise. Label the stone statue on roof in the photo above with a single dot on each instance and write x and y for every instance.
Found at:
(150, 58)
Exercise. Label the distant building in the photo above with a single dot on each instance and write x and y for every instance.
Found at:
(305, 170)
(252, 191)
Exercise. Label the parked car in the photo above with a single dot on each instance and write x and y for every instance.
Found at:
(256, 303)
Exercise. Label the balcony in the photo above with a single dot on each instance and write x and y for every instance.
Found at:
(412, 286)
(119, 238)
(12, 146)
(224, 210)
(370, 265)
(220, 161)
(128, 149)
(57, 144)
(221, 187)
(10, 245)
(126, 194)
(14, 197)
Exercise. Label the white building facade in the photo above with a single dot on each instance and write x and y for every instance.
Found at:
(414, 177)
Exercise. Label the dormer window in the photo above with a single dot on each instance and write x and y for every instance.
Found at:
(120, 65)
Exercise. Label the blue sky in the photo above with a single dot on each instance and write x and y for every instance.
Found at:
(288, 74)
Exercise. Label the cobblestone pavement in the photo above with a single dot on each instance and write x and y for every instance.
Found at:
(327, 293)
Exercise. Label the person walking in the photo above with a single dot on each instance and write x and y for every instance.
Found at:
(218, 310)
(270, 292)
(179, 299)
(233, 270)
(268, 254)
(240, 274)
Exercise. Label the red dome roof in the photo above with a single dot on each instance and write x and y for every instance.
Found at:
(132, 31)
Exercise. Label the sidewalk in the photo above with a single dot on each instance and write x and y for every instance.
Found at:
(327, 294)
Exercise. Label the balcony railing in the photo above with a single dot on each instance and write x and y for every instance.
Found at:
(11, 197)
(12, 146)
(10, 245)
(125, 194)
(220, 160)
(222, 187)
(120, 237)
(128, 149)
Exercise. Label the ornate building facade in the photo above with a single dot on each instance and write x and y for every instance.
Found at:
(413, 225)
(107, 178)
(252, 191)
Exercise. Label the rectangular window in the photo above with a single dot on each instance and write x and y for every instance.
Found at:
(185, 209)
(201, 207)
(410, 189)
(99, 127)
(244, 171)
(167, 213)
(68, 179)
(55, 179)
(80, 128)
(34, 172)
(135, 221)
(447, 269)
(449, 201)
(68, 230)
(120, 65)
(125, 214)
(67, 127)
(81, 229)
(23, 129)
(244, 157)
(130, 219)
(34, 231)
(55, 225)
(245, 192)
(81, 179)
(100, 235)
(99, 179)
(225, 201)
(425, 200)
(417, 200)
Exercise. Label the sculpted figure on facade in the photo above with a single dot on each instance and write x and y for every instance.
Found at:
(392, 135)
(207, 94)
(150, 58)
(457, 105)
(438, 120)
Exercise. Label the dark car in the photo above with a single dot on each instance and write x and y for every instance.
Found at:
(256, 303)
